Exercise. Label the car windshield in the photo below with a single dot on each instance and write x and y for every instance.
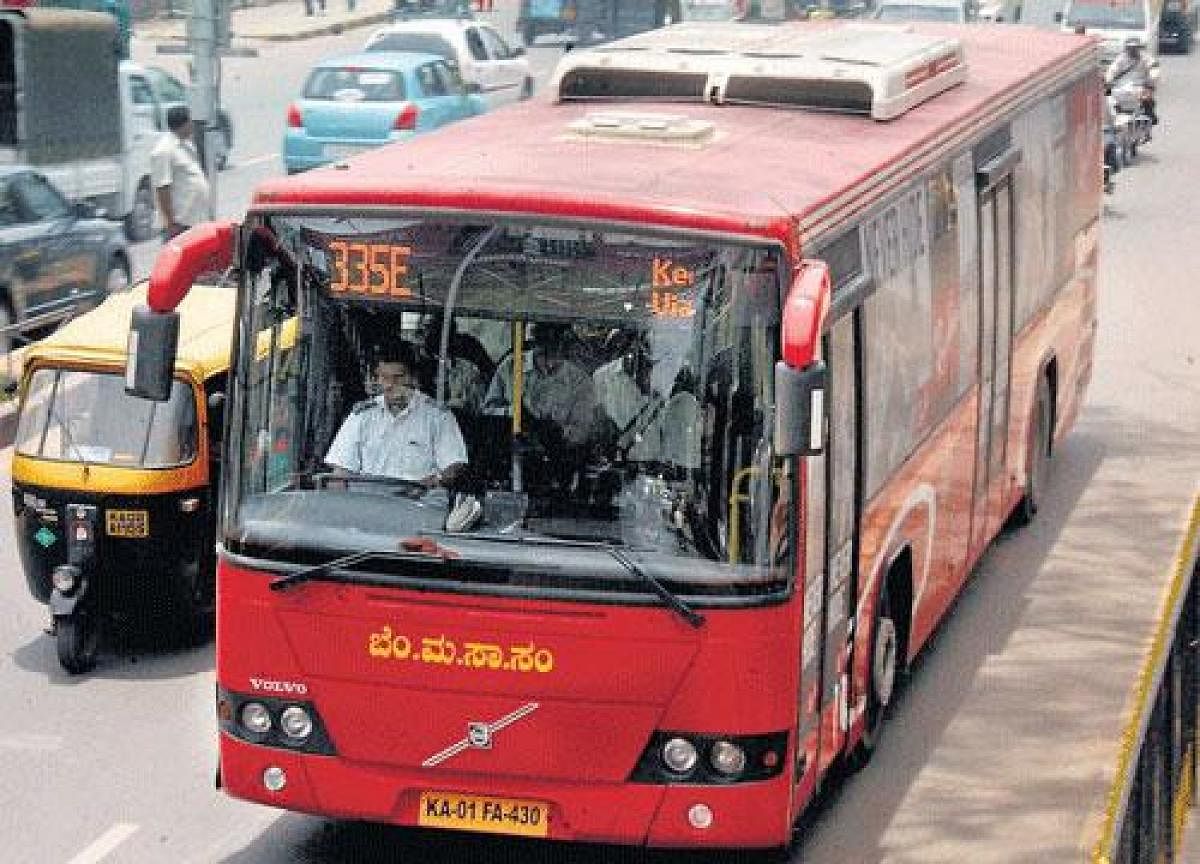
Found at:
(354, 84)
(1107, 16)
(918, 12)
(641, 368)
(417, 43)
(83, 416)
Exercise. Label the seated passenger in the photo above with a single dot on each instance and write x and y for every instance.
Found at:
(631, 407)
(400, 433)
(469, 367)
(557, 393)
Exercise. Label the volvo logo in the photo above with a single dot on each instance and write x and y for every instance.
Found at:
(480, 735)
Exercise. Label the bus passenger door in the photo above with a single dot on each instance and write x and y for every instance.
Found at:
(995, 349)
(831, 552)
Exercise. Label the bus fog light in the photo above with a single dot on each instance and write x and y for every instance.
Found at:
(727, 758)
(700, 816)
(679, 755)
(65, 578)
(256, 718)
(296, 723)
(274, 778)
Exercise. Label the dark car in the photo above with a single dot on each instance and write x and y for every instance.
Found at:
(57, 259)
(1176, 27)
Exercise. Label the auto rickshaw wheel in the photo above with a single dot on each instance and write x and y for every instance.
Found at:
(77, 640)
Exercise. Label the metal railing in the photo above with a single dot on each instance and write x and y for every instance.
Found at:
(1155, 781)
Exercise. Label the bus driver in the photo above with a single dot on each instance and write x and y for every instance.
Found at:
(400, 433)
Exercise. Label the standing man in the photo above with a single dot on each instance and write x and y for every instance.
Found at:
(179, 183)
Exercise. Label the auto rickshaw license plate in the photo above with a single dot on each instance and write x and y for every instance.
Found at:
(127, 523)
(520, 817)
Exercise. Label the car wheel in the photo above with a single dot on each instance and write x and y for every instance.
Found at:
(139, 224)
(225, 127)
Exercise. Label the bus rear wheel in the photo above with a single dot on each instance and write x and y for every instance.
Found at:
(881, 683)
(1037, 456)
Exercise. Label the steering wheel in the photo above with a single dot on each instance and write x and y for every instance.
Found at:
(326, 479)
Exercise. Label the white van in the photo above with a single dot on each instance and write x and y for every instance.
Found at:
(1114, 21)
(947, 11)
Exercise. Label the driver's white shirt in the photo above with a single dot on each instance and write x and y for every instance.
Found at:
(416, 442)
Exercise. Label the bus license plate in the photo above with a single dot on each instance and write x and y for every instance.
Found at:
(127, 523)
(481, 813)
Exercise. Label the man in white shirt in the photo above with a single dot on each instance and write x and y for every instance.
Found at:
(401, 433)
(632, 407)
(179, 183)
(557, 392)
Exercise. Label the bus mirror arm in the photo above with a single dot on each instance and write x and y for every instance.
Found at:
(800, 409)
(204, 250)
(150, 358)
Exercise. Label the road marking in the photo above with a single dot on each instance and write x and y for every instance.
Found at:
(31, 741)
(257, 160)
(105, 843)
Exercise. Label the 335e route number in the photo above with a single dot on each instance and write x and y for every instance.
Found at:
(374, 269)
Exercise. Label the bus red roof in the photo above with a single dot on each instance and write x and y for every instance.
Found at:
(763, 169)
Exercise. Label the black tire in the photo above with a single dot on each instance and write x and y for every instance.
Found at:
(225, 127)
(77, 641)
(139, 224)
(882, 676)
(1037, 456)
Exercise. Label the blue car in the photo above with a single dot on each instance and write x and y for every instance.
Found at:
(359, 101)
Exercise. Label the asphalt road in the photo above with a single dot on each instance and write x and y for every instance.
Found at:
(118, 766)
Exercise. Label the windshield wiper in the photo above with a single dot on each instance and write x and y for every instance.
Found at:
(694, 618)
(325, 571)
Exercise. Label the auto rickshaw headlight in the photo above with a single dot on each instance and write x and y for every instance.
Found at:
(65, 578)
(296, 723)
(256, 718)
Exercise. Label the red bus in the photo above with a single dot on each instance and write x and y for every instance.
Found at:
(830, 314)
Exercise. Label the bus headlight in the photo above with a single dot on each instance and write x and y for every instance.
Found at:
(679, 755)
(698, 759)
(296, 723)
(256, 718)
(727, 758)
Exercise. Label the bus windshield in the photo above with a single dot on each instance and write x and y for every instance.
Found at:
(84, 416)
(610, 390)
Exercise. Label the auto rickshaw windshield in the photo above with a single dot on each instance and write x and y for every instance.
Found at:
(86, 416)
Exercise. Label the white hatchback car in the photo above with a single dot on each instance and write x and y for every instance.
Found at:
(485, 59)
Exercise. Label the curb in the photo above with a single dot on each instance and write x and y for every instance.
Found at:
(331, 29)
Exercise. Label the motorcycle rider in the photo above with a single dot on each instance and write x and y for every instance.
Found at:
(1131, 65)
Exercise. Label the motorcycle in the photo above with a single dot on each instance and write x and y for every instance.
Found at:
(1129, 102)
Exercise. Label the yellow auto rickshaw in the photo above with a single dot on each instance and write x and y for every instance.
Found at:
(115, 496)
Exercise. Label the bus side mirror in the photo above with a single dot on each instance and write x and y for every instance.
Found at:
(150, 362)
(800, 409)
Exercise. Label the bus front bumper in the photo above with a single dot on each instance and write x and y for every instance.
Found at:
(746, 815)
